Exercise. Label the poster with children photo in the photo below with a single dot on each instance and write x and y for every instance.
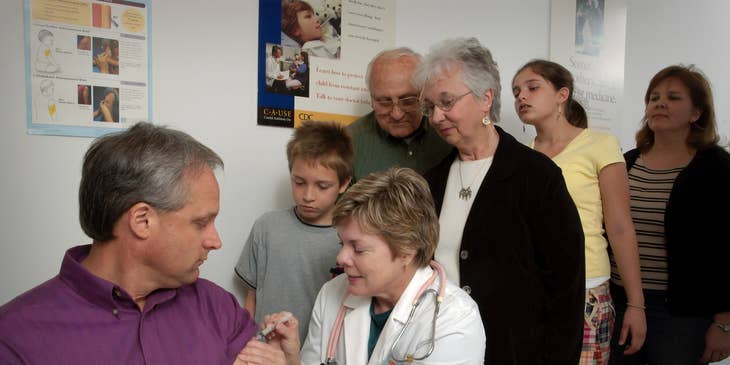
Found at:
(304, 72)
(313, 26)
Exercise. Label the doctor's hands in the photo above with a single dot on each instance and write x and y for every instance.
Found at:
(282, 346)
(285, 335)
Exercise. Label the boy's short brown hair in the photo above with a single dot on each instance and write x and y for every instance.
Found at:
(327, 143)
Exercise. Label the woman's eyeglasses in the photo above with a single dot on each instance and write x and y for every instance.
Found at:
(446, 102)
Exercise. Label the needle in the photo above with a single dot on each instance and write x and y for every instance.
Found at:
(261, 334)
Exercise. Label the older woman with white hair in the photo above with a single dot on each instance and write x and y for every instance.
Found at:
(510, 233)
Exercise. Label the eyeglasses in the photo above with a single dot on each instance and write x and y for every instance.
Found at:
(446, 102)
(406, 104)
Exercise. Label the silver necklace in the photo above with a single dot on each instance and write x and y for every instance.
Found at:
(465, 192)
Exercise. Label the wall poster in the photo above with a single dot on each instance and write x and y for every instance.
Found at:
(313, 55)
(588, 37)
(87, 66)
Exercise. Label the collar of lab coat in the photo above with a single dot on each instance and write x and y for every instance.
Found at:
(357, 321)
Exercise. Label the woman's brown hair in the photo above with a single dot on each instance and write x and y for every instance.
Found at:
(703, 132)
(559, 77)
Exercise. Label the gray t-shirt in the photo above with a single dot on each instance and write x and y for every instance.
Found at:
(287, 261)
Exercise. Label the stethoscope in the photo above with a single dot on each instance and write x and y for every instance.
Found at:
(408, 358)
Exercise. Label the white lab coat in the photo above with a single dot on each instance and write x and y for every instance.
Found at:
(273, 71)
(460, 337)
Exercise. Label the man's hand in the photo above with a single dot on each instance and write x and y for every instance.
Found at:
(717, 345)
(260, 353)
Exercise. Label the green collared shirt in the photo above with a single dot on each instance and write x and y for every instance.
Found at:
(376, 150)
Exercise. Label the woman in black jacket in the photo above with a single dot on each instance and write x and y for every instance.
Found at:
(510, 233)
(680, 197)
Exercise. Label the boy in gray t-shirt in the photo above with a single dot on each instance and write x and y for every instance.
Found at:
(288, 254)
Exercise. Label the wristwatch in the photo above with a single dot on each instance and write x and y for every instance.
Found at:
(725, 327)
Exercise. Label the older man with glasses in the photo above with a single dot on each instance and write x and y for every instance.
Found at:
(395, 132)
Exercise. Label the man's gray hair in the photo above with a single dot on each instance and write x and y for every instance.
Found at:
(393, 53)
(145, 163)
(479, 71)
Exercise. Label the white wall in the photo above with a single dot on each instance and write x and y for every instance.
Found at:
(659, 33)
(665, 32)
(204, 80)
(514, 31)
(39, 177)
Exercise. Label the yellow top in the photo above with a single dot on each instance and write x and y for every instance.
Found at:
(581, 161)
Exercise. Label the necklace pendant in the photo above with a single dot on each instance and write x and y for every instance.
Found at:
(465, 193)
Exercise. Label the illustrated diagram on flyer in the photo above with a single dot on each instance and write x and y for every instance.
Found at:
(87, 66)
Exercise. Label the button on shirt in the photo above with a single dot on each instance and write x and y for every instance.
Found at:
(79, 318)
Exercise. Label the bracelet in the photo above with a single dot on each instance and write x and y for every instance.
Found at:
(725, 327)
(635, 306)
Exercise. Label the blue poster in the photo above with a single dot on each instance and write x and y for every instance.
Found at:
(313, 56)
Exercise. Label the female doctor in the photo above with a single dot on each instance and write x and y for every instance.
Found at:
(389, 230)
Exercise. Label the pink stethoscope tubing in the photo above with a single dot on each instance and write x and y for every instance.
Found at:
(340, 319)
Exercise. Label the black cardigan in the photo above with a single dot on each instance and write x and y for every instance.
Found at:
(522, 257)
(697, 235)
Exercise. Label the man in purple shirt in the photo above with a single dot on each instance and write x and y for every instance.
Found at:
(148, 198)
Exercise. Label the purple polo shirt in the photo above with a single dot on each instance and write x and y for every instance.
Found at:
(79, 318)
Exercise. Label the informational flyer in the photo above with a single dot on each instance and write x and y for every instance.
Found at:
(87, 65)
(588, 37)
(313, 56)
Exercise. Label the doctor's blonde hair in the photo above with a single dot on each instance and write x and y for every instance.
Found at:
(397, 206)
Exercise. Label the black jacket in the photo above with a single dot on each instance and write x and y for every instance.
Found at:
(522, 257)
(697, 234)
